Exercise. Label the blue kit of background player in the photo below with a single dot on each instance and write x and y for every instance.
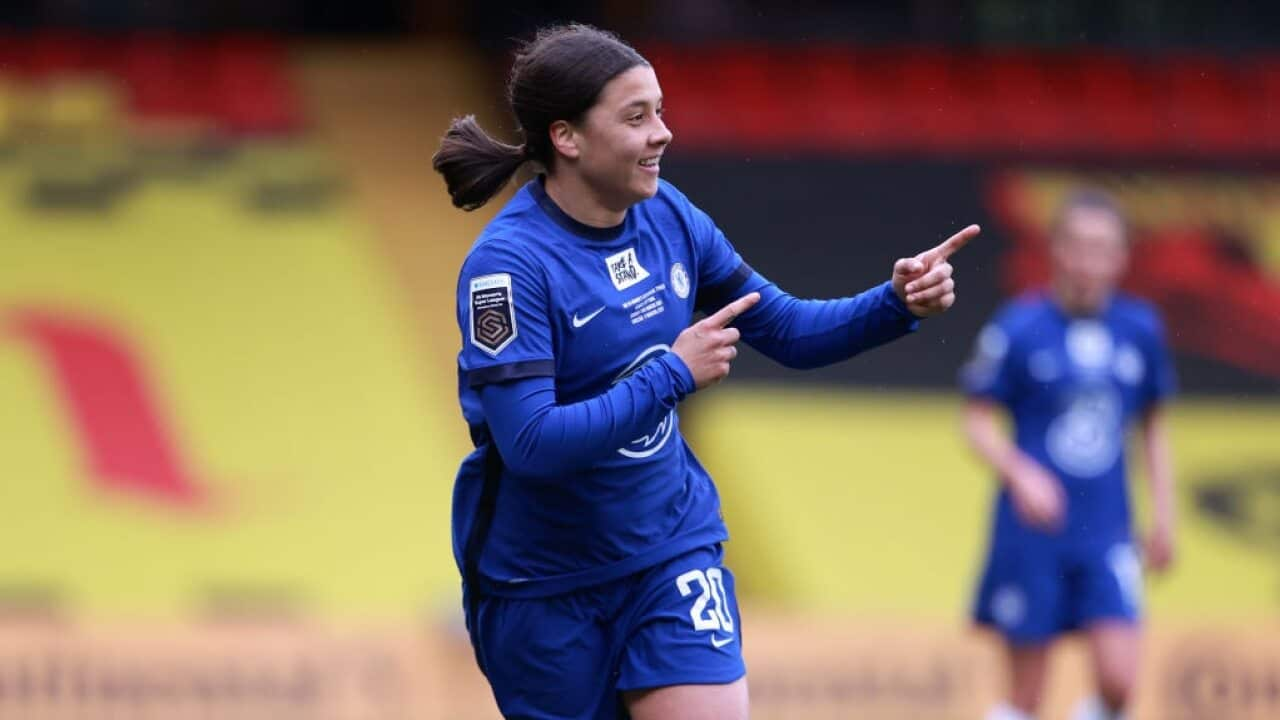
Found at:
(1072, 385)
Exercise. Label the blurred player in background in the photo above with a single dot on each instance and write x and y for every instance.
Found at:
(588, 536)
(1072, 367)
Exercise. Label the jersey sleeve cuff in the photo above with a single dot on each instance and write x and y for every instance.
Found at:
(681, 376)
(891, 299)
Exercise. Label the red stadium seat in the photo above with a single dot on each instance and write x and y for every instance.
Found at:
(838, 98)
(756, 91)
(1117, 98)
(842, 102)
(1264, 85)
(56, 54)
(168, 77)
(14, 54)
(1020, 104)
(1207, 108)
(688, 99)
(932, 111)
(250, 87)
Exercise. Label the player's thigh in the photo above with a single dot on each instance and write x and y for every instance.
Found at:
(1107, 608)
(685, 635)
(1114, 649)
(1028, 672)
(690, 702)
(546, 657)
(1020, 596)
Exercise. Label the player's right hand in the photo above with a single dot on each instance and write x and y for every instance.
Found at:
(1157, 551)
(707, 346)
(1037, 496)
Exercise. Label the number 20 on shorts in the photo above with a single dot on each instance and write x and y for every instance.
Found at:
(710, 587)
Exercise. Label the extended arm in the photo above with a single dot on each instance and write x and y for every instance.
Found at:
(813, 333)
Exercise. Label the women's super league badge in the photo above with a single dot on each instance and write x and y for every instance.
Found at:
(493, 317)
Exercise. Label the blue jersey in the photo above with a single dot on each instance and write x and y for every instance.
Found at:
(1073, 386)
(543, 294)
(551, 308)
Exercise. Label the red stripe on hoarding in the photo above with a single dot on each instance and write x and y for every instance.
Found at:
(114, 409)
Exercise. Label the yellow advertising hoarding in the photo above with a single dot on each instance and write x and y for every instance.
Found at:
(871, 502)
(816, 667)
(204, 400)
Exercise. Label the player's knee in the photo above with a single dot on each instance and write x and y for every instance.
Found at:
(1026, 698)
(1116, 688)
(1026, 685)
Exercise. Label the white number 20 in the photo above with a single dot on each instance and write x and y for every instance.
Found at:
(710, 587)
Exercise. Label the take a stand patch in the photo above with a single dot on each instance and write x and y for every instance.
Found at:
(493, 316)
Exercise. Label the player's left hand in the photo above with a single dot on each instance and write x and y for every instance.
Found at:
(924, 282)
(1158, 548)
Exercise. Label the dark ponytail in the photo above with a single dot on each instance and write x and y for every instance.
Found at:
(556, 76)
(475, 166)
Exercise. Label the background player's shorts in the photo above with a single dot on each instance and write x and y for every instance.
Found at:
(569, 656)
(1033, 592)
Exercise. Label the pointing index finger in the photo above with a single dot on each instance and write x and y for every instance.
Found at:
(730, 312)
(950, 245)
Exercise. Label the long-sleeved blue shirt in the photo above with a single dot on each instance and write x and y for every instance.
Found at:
(570, 388)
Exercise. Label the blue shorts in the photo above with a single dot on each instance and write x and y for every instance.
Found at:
(1032, 592)
(571, 655)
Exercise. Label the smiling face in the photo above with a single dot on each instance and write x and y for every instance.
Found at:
(620, 140)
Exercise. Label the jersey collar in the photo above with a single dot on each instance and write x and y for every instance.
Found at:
(561, 218)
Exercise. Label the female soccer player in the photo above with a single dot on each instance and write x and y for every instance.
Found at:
(1073, 367)
(587, 534)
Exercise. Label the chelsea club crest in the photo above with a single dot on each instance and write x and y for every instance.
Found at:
(680, 280)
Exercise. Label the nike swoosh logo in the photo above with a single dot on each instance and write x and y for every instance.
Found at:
(580, 321)
(720, 642)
